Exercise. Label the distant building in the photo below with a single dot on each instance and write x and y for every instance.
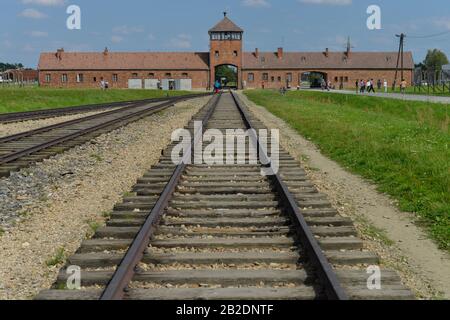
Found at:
(253, 69)
(20, 75)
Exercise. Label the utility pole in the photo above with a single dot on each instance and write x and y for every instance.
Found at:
(400, 60)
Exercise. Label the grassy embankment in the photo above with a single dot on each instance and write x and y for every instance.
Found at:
(402, 146)
(27, 99)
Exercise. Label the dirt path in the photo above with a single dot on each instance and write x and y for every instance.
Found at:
(391, 233)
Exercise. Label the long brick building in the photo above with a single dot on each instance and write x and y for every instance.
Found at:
(253, 69)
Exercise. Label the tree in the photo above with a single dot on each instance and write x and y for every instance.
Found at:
(7, 66)
(433, 63)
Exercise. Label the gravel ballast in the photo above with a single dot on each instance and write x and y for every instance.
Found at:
(385, 230)
(50, 208)
(9, 129)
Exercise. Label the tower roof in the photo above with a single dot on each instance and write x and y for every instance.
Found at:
(226, 25)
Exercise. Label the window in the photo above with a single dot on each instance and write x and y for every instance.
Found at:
(48, 77)
(335, 79)
(115, 77)
(151, 75)
(251, 77)
(95, 79)
(289, 77)
(80, 77)
(216, 54)
(345, 79)
(64, 78)
(279, 79)
(134, 75)
(273, 79)
(265, 76)
(185, 75)
(235, 53)
(168, 75)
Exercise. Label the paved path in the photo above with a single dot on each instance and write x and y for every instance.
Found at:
(399, 96)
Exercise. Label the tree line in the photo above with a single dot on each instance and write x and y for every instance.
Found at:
(7, 66)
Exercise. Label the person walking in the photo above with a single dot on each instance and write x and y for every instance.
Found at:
(217, 86)
(371, 86)
(403, 86)
(379, 84)
(362, 86)
(357, 86)
(368, 86)
(385, 84)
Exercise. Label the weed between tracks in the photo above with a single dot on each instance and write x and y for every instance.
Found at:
(402, 146)
(58, 258)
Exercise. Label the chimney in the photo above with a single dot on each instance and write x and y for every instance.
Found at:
(106, 51)
(280, 53)
(59, 53)
(327, 52)
(257, 53)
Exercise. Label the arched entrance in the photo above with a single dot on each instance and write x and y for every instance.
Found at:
(227, 75)
(313, 79)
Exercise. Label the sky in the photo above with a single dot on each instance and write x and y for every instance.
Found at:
(33, 26)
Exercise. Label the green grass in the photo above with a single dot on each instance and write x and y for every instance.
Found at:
(410, 90)
(34, 98)
(402, 146)
(58, 258)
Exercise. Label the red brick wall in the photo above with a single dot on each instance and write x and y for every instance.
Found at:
(226, 50)
(352, 76)
(199, 78)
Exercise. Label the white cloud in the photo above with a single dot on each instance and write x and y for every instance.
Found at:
(48, 3)
(328, 2)
(127, 30)
(151, 37)
(256, 3)
(116, 39)
(32, 14)
(443, 23)
(38, 34)
(182, 41)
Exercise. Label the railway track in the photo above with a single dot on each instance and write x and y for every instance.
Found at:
(21, 150)
(224, 232)
(59, 112)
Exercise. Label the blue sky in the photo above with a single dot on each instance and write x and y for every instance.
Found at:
(32, 26)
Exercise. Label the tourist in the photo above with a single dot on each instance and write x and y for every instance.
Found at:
(357, 86)
(379, 84)
(362, 86)
(371, 86)
(385, 84)
(217, 86)
(403, 86)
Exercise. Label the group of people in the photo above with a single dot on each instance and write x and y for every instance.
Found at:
(326, 85)
(369, 85)
(104, 85)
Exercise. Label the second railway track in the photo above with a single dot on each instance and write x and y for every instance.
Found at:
(23, 149)
(225, 232)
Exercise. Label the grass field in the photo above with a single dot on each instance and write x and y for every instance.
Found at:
(402, 146)
(27, 99)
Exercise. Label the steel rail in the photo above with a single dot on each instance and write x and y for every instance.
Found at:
(46, 113)
(115, 290)
(24, 152)
(75, 121)
(325, 272)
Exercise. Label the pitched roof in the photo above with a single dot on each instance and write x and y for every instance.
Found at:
(318, 60)
(124, 61)
(226, 25)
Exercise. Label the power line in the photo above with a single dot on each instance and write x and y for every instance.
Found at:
(430, 35)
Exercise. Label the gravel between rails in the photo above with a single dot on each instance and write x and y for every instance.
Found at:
(61, 200)
(385, 230)
(9, 129)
